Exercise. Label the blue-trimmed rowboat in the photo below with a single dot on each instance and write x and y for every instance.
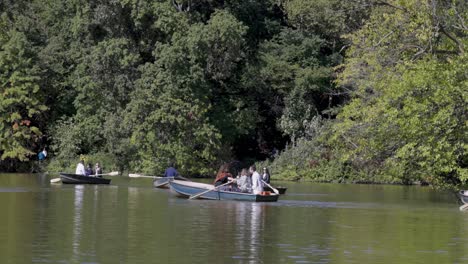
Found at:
(163, 182)
(69, 178)
(189, 188)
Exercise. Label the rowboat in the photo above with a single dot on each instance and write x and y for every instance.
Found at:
(163, 182)
(189, 188)
(281, 190)
(69, 178)
(463, 196)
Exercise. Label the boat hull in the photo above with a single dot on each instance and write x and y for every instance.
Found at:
(281, 190)
(463, 195)
(163, 183)
(187, 189)
(68, 178)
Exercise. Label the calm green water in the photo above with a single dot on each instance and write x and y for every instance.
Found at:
(130, 222)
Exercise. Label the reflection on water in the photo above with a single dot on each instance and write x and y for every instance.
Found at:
(131, 222)
(248, 223)
(77, 222)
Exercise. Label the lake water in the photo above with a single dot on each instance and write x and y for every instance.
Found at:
(131, 222)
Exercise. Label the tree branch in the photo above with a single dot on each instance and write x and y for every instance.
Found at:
(457, 42)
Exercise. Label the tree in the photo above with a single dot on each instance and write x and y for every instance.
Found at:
(20, 100)
(410, 82)
(173, 110)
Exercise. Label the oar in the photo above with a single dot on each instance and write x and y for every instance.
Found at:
(55, 180)
(134, 175)
(114, 173)
(209, 190)
(273, 188)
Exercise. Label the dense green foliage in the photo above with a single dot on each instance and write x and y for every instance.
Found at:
(360, 90)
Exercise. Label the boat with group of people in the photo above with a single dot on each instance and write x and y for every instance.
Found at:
(249, 185)
(84, 175)
(189, 189)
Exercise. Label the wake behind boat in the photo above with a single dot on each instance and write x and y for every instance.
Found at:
(69, 178)
(188, 188)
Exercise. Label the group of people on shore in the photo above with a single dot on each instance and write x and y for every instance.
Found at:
(88, 171)
(248, 181)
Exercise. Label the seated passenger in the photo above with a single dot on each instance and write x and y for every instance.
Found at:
(224, 177)
(80, 169)
(245, 182)
(89, 170)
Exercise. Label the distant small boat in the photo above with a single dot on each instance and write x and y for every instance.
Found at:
(163, 182)
(463, 196)
(68, 178)
(281, 190)
(189, 188)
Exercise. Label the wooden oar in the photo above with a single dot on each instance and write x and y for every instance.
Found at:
(209, 190)
(114, 173)
(273, 188)
(134, 175)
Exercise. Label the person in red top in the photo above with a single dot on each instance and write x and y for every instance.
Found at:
(223, 177)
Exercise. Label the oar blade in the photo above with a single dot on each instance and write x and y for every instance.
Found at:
(114, 173)
(133, 175)
(55, 180)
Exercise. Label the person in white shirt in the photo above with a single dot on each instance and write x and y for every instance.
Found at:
(257, 184)
(80, 169)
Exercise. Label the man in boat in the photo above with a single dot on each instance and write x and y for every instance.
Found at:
(80, 169)
(257, 184)
(171, 171)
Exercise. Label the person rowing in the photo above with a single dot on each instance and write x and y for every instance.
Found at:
(223, 177)
(171, 171)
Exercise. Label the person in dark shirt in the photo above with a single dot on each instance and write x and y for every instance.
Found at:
(171, 171)
(89, 170)
(266, 175)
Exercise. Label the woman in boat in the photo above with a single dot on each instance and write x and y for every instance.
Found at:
(257, 184)
(80, 169)
(97, 169)
(245, 182)
(266, 175)
(224, 177)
